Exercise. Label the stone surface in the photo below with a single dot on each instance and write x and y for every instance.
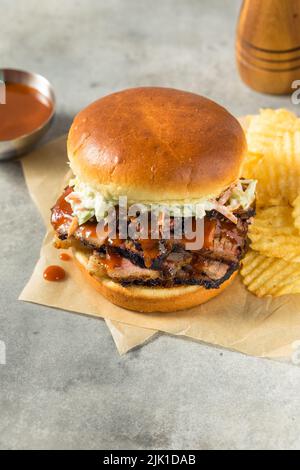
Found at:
(64, 385)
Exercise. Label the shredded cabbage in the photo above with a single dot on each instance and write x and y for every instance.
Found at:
(242, 197)
(87, 203)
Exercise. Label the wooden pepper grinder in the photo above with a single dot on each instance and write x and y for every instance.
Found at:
(268, 44)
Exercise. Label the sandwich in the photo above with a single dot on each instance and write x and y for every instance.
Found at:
(161, 151)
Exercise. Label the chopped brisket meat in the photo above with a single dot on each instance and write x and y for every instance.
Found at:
(126, 270)
(163, 262)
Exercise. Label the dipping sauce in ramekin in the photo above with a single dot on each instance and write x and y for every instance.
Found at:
(27, 107)
(24, 111)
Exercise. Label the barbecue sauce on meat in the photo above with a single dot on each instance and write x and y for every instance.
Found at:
(88, 230)
(223, 245)
(209, 232)
(62, 214)
(62, 211)
(112, 260)
(150, 250)
(116, 241)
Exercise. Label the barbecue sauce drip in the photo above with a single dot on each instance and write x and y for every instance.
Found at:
(25, 111)
(62, 211)
(64, 257)
(150, 250)
(88, 230)
(112, 260)
(54, 273)
(209, 233)
(116, 241)
(62, 214)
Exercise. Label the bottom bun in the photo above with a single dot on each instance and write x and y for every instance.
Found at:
(148, 299)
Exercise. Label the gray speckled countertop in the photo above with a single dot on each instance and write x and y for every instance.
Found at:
(64, 385)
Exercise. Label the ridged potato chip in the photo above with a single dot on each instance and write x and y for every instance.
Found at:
(249, 164)
(266, 135)
(296, 213)
(273, 233)
(278, 171)
(272, 266)
(270, 276)
(266, 126)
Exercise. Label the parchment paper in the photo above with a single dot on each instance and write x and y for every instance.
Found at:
(45, 172)
(236, 319)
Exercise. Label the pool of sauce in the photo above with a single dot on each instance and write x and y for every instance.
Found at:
(25, 110)
(54, 273)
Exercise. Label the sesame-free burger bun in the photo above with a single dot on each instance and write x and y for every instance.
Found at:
(148, 299)
(156, 144)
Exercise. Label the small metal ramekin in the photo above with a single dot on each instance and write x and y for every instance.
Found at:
(20, 145)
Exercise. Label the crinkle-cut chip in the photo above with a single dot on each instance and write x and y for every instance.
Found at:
(270, 276)
(272, 132)
(270, 123)
(249, 164)
(278, 172)
(280, 246)
(272, 266)
(261, 131)
(273, 233)
(296, 212)
(277, 217)
(279, 118)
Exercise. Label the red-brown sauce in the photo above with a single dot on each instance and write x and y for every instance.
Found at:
(25, 110)
(62, 211)
(116, 241)
(150, 250)
(209, 232)
(54, 273)
(112, 260)
(64, 257)
(88, 230)
(233, 235)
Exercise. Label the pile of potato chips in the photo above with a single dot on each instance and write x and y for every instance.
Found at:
(272, 265)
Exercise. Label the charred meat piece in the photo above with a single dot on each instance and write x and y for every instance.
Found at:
(184, 278)
(66, 226)
(129, 271)
(164, 262)
(212, 268)
(119, 268)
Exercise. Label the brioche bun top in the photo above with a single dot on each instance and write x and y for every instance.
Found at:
(156, 144)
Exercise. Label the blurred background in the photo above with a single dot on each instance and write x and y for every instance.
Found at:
(93, 47)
